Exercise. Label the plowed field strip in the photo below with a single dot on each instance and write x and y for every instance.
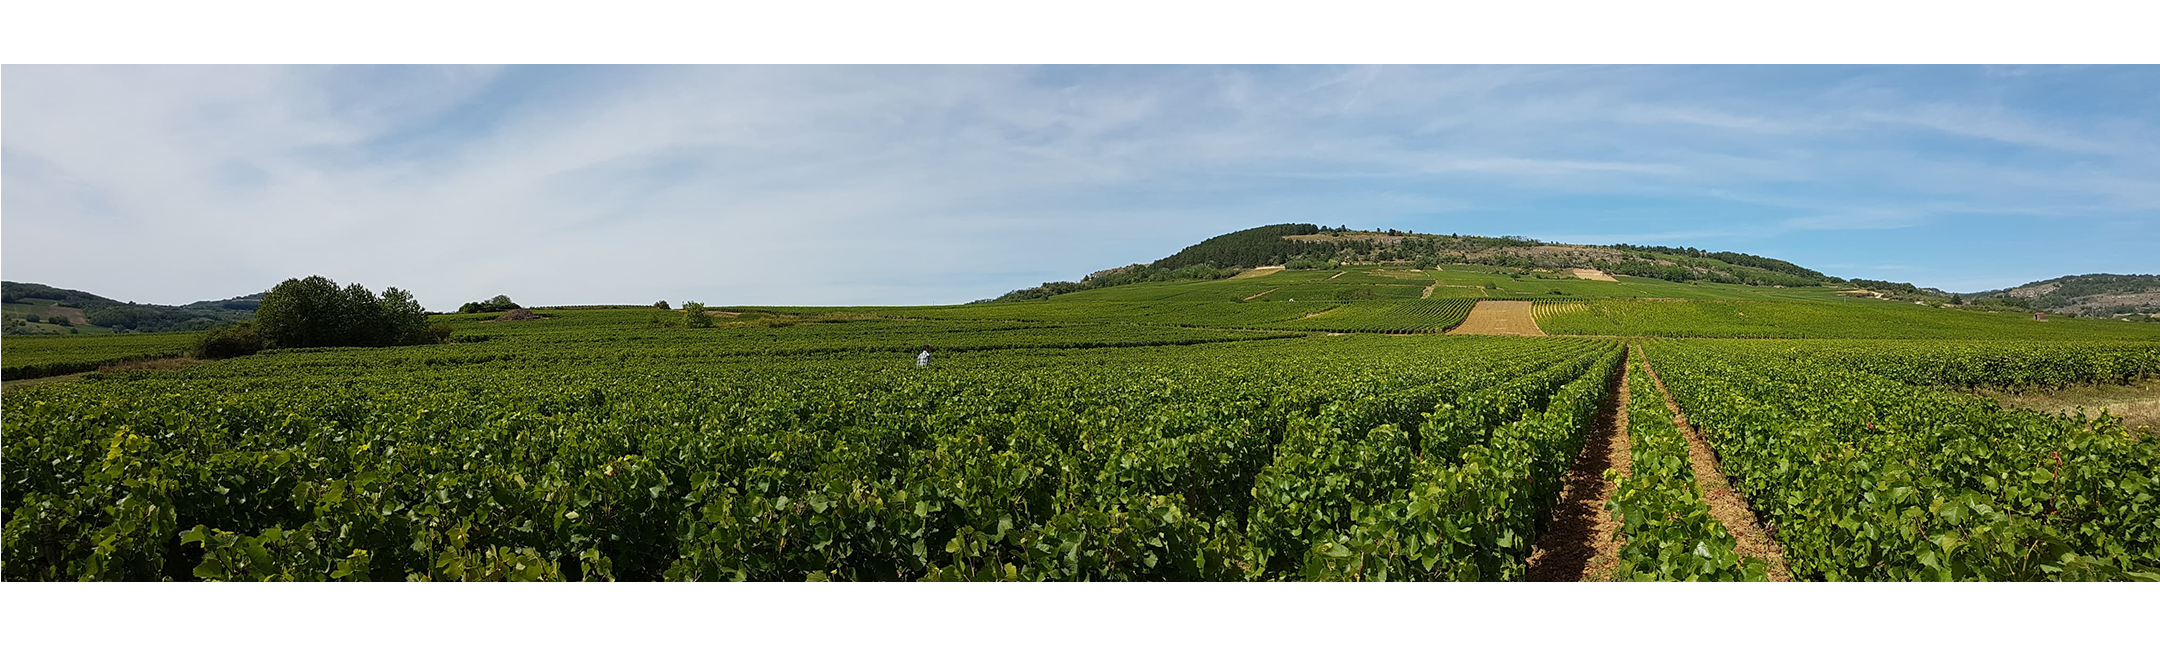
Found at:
(1510, 318)
(1726, 504)
(1582, 543)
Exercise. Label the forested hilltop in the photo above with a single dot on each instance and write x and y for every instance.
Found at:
(33, 308)
(1308, 246)
(2084, 295)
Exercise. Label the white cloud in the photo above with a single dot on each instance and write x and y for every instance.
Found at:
(909, 184)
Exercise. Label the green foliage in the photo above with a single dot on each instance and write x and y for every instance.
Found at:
(1796, 319)
(661, 305)
(499, 303)
(1666, 530)
(1867, 478)
(692, 454)
(694, 315)
(1253, 247)
(1391, 316)
(315, 312)
(108, 313)
(47, 356)
(235, 340)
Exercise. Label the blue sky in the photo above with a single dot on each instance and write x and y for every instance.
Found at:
(891, 185)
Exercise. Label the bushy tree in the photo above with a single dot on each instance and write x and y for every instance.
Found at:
(302, 313)
(499, 303)
(315, 312)
(361, 321)
(405, 321)
(661, 305)
(694, 315)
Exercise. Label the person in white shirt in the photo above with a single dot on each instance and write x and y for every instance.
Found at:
(923, 360)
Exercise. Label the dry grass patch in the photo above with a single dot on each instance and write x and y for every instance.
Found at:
(1507, 318)
(2138, 404)
(1593, 274)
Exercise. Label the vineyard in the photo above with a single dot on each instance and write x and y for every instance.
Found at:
(1870, 478)
(1802, 319)
(1165, 431)
(30, 357)
(1397, 317)
(1668, 532)
(1210, 461)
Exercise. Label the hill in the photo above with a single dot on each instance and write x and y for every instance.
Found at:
(1308, 246)
(2111, 295)
(69, 311)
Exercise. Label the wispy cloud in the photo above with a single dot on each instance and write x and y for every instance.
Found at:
(943, 184)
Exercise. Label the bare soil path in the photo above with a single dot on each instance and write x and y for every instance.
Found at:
(1510, 318)
(1257, 272)
(1593, 274)
(1730, 509)
(1582, 542)
(1261, 294)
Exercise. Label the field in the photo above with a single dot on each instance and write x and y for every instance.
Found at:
(1167, 431)
(30, 357)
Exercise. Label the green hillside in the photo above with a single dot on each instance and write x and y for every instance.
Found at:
(83, 312)
(1387, 298)
(1307, 246)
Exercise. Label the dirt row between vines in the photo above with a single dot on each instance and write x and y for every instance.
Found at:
(1730, 509)
(1582, 542)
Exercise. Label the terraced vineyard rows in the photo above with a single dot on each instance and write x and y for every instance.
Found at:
(1395, 316)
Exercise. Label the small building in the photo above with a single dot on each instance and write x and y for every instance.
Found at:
(2039, 316)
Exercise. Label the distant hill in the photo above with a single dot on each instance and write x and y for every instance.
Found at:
(2083, 295)
(98, 313)
(1309, 246)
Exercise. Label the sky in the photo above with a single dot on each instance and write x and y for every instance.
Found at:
(817, 185)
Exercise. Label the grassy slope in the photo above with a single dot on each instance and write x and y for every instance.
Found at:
(46, 308)
(1631, 307)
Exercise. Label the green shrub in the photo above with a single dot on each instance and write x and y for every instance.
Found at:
(237, 340)
(500, 303)
(694, 315)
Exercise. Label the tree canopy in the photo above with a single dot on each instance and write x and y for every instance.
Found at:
(315, 312)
